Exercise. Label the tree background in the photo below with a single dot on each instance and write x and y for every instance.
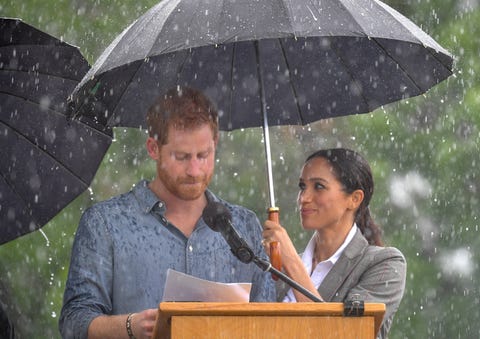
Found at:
(424, 153)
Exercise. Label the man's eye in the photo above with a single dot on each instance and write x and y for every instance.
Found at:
(203, 155)
(319, 186)
(301, 185)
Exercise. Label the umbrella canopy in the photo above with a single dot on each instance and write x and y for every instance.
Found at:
(47, 160)
(264, 62)
(312, 59)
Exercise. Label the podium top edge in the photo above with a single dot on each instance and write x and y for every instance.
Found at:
(260, 308)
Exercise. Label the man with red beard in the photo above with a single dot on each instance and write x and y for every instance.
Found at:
(124, 246)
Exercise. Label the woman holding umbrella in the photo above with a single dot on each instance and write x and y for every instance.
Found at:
(345, 258)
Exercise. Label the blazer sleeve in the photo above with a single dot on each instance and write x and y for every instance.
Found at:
(382, 281)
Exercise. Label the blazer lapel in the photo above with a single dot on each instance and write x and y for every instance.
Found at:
(342, 269)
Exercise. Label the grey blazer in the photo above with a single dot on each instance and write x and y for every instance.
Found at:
(376, 274)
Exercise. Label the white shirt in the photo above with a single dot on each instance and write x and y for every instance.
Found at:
(323, 267)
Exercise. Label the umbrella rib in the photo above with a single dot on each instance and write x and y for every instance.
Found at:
(342, 61)
(287, 5)
(398, 64)
(234, 45)
(232, 64)
(292, 85)
(350, 74)
(37, 220)
(20, 135)
(188, 51)
(376, 40)
(19, 196)
(140, 64)
(41, 73)
(33, 102)
(439, 61)
(134, 74)
(419, 41)
(58, 113)
(182, 65)
(403, 70)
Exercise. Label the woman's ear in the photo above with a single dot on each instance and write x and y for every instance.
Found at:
(152, 148)
(356, 199)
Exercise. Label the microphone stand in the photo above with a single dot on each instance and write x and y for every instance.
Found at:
(218, 218)
(267, 267)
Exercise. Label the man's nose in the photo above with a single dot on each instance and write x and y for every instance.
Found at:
(194, 167)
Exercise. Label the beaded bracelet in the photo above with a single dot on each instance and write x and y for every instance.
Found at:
(128, 324)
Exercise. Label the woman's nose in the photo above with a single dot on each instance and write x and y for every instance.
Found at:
(304, 196)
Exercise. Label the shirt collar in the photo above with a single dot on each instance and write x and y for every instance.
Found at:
(307, 256)
(347, 241)
(148, 200)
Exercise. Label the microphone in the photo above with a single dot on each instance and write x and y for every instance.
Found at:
(219, 219)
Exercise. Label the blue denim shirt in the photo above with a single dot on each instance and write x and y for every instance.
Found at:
(124, 246)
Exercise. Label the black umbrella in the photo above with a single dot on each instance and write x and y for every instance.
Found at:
(264, 62)
(47, 161)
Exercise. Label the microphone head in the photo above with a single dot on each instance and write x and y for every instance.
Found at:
(215, 214)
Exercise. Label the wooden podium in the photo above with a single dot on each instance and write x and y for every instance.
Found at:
(265, 320)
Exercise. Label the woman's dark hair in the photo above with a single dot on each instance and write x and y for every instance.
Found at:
(354, 173)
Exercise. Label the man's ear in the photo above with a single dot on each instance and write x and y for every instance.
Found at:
(152, 148)
(356, 199)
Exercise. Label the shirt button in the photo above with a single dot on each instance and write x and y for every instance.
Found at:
(160, 204)
(190, 248)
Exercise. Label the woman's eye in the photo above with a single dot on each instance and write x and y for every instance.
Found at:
(319, 186)
(301, 186)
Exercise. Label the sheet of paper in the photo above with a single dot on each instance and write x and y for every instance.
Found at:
(183, 287)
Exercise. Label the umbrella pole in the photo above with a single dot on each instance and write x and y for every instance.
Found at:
(266, 134)
(268, 154)
(273, 212)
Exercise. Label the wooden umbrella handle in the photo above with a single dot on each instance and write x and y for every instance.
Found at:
(275, 258)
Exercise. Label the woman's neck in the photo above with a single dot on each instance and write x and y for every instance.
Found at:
(327, 242)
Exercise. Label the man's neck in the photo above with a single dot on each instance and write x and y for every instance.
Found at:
(183, 214)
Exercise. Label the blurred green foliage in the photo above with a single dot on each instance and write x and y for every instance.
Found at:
(431, 141)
